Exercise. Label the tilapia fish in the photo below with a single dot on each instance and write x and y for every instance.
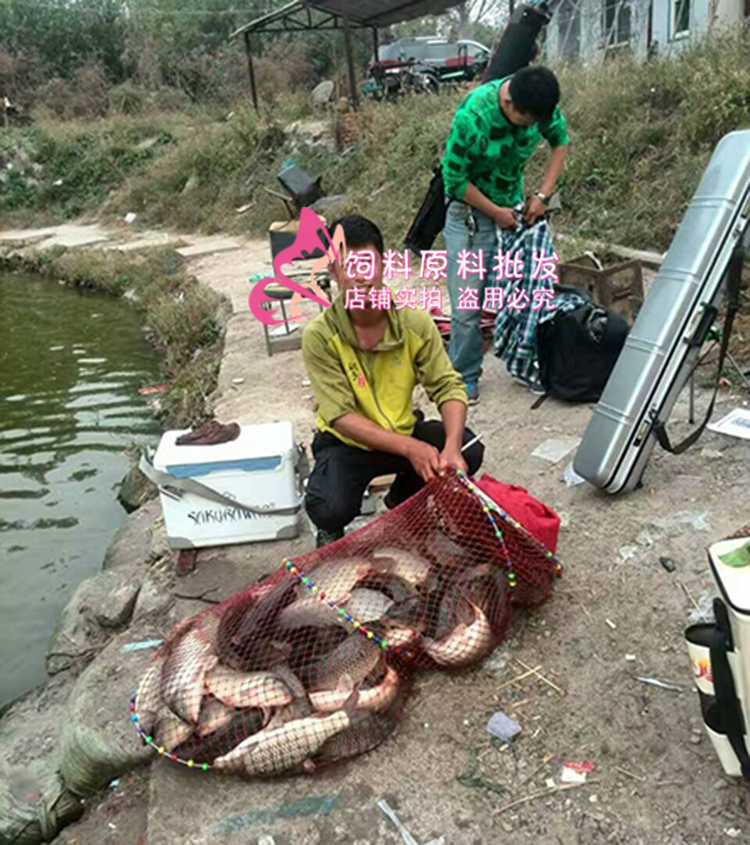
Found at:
(206, 748)
(367, 731)
(308, 613)
(468, 643)
(376, 699)
(169, 731)
(337, 578)
(280, 749)
(214, 715)
(368, 605)
(413, 568)
(247, 689)
(148, 699)
(350, 662)
(185, 668)
(259, 616)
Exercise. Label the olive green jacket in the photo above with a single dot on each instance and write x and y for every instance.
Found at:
(376, 384)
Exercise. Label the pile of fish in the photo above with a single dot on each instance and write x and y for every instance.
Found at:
(275, 680)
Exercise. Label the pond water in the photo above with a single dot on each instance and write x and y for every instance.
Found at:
(71, 363)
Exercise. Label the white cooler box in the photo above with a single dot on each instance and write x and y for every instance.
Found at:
(720, 659)
(243, 491)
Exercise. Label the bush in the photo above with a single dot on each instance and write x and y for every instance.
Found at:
(127, 98)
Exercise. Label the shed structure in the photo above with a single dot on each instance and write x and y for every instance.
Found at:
(315, 15)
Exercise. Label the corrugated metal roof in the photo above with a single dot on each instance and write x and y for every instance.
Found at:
(385, 12)
(362, 13)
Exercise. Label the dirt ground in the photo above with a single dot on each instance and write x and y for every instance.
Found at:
(617, 613)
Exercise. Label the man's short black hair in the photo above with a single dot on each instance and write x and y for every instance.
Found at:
(358, 232)
(535, 91)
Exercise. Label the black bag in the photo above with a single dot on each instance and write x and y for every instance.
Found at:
(430, 219)
(578, 349)
(517, 47)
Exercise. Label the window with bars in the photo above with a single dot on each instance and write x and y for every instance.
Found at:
(617, 18)
(680, 17)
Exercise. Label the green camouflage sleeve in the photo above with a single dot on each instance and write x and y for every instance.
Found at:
(555, 130)
(459, 153)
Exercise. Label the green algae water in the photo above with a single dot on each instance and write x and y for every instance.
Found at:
(71, 363)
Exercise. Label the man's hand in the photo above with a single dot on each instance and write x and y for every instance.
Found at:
(534, 211)
(452, 457)
(425, 459)
(505, 218)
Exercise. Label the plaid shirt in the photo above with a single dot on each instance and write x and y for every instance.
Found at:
(515, 328)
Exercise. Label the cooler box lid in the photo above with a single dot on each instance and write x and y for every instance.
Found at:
(258, 448)
(732, 577)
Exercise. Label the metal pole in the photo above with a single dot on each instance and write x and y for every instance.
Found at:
(251, 71)
(376, 43)
(350, 62)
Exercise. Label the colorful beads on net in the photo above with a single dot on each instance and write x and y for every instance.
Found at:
(305, 581)
(160, 749)
(489, 510)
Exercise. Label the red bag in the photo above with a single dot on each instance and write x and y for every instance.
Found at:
(539, 520)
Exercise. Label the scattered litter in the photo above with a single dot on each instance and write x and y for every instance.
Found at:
(564, 519)
(407, 838)
(711, 454)
(695, 739)
(112, 826)
(130, 217)
(593, 799)
(306, 382)
(550, 783)
(733, 832)
(703, 609)
(654, 682)
(503, 727)
(630, 657)
(571, 477)
(266, 840)
(238, 381)
(675, 525)
(555, 450)
(645, 538)
(735, 424)
(243, 208)
(628, 552)
(113, 784)
(611, 624)
(668, 563)
(144, 644)
(575, 771)
(158, 388)
(495, 664)
(534, 796)
(56, 183)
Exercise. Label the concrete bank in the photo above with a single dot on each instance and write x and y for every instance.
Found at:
(440, 772)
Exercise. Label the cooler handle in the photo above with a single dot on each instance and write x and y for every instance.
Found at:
(727, 704)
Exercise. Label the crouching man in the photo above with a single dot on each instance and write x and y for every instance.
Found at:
(364, 364)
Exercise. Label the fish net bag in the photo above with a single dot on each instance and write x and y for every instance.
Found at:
(313, 665)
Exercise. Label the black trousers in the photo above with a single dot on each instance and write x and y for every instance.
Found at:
(341, 474)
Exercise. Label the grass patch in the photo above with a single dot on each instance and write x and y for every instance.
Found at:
(642, 135)
(184, 319)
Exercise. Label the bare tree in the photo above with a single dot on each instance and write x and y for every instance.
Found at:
(472, 12)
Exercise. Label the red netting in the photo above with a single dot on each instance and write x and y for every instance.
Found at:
(312, 665)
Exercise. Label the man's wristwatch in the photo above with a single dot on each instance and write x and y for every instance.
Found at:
(543, 197)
